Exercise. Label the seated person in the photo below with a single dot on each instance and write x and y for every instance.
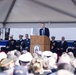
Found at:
(26, 43)
(62, 46)
(19, 45)
(74, 48)
(11, 44)
(54, 44)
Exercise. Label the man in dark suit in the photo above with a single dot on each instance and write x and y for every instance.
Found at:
(44, 31)
(73, 49)
(62, 46)
(53, 44)
(19, 45)
(26, 43)
(11, 44)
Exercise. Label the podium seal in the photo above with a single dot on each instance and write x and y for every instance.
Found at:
(36, 48)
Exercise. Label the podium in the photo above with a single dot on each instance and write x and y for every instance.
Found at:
(41, 43)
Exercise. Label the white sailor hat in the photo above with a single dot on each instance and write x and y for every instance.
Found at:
(47, 53)
(2, 55)
(26, 57)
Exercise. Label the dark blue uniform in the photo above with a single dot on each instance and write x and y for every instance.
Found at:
(20, 70)
(26, 44)
(11, 44)
(19, 45)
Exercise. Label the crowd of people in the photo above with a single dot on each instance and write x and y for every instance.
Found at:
(38, 63)
(19, 60)
(16, 59)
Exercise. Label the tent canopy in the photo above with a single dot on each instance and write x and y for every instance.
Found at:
(38, 11)
(4, 8)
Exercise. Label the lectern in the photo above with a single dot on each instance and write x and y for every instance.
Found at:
(39, 43)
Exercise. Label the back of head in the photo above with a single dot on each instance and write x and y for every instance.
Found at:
(36, 65)
(71, 55)
(64, 59)
(65, 66)
(6, 64)
(17, 53)
(64, 72)
(13, 57)
(24, 52)
(11, 52)
(52, 62)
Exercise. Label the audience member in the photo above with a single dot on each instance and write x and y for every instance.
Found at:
(64, 58)
(7, 66)
(2, 73)
(3, 55)
(38, 63)
(17, 53)
(66, 66)
(25, 60)
(47, 54)
(2, 70)
(71, 55)
(43, 63)
(20, 70)
(64, 72)
(37, 66)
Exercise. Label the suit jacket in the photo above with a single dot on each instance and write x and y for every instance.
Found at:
(74, 44)
(54, 45)
(19, 42)
(26, 43)
(11, 44)
(64, 45)
(46, 32)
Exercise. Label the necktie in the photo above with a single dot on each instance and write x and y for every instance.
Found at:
(43, 32)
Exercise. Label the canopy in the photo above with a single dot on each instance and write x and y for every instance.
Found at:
(38, 11)
(4, 9)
